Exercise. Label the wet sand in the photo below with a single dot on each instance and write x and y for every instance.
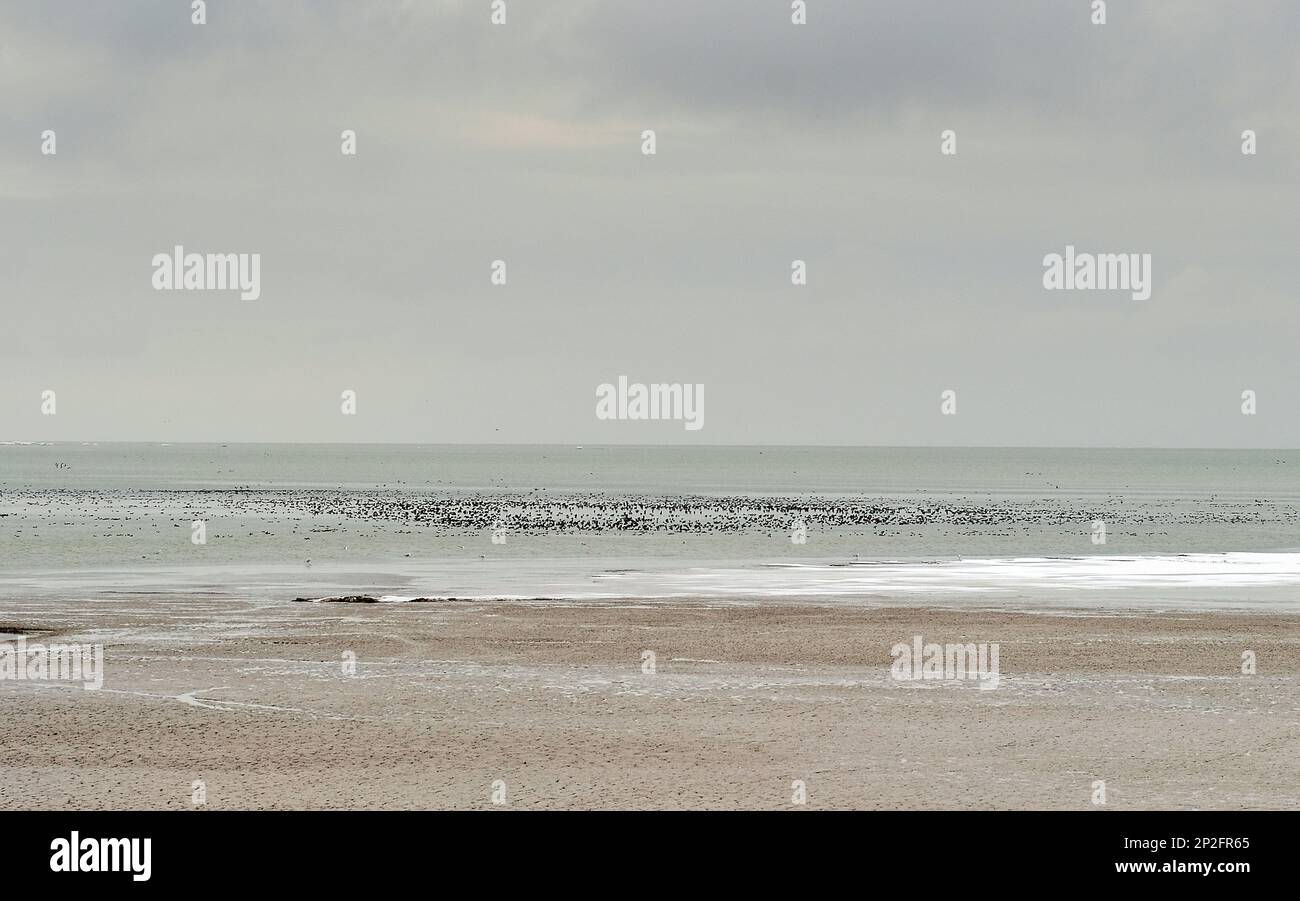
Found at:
(551, 700)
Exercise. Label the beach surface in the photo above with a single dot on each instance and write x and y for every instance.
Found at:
(456, 704)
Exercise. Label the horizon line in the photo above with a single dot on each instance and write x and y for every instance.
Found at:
(575, 445)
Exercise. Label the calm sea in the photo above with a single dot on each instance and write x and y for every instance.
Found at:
(1079, 526)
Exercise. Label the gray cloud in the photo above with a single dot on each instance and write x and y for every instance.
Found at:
(775, 143)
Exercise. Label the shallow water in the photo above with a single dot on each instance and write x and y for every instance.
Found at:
(1189, 529)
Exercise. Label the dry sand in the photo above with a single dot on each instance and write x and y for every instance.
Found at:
(551, 699)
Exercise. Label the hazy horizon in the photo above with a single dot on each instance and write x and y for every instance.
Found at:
(626, 444)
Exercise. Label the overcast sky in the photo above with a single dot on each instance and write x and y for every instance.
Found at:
(775, 142)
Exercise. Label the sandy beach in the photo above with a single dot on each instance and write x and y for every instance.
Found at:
(256, 701)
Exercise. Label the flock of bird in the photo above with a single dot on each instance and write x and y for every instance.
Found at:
(544, 511)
